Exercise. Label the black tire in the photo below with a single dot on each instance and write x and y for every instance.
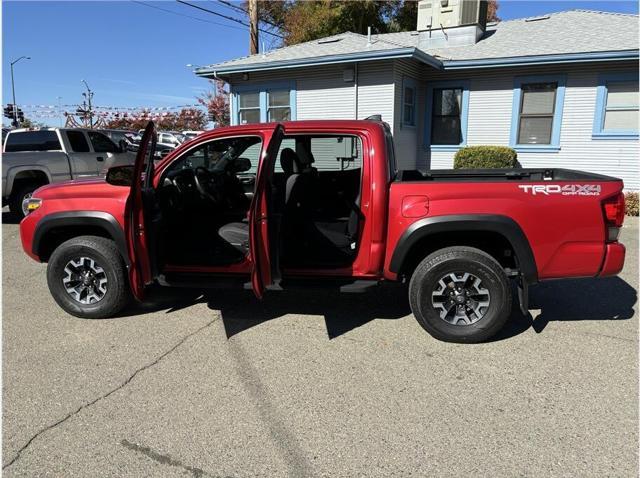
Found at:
(18, 196)
(425, 282)
(106, 256)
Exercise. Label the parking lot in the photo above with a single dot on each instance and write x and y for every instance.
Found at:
(217, 384)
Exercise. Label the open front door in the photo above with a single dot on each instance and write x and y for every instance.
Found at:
(137, 216)
(262, 220)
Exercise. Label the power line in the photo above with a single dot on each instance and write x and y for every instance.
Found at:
(230, 5)
(186, 16)
(226, 17)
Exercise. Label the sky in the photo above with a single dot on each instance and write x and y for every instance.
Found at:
(134, 53)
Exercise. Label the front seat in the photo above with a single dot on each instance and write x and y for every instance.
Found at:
(237, 233)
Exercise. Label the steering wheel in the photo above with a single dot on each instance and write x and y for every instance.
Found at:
(201, 178)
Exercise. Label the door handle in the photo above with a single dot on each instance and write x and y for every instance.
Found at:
(100, 158)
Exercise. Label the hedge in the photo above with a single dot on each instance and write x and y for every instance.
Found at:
(478, 157)
(631, 204)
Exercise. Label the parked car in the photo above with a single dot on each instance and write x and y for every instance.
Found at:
(119, 136)
(321, 203)
(190, 134)
(33, 158)
(170, 138)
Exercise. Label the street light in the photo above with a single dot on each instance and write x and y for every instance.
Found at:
(13, 89)
(88, 95)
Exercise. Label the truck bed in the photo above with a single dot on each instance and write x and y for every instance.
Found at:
(498, 175)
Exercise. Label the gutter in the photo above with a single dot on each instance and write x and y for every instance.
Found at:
(541, 59)
(396, 53)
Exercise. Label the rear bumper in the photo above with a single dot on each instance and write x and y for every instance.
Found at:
(613, 259)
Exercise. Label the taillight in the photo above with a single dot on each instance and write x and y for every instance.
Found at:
(613, 210)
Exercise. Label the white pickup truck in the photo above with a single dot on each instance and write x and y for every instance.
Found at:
(33, 158)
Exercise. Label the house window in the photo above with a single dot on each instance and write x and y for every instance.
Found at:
(446, 115)
(263, 102)
(446, 124)
(408, 103)
(617, 106)
(249, 107)
(537, 113)
(279, 106)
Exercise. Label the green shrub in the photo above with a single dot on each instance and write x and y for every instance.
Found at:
(631, 204)
(478, 157)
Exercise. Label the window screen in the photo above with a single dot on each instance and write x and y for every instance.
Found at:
(408, 112)
(621, 112)
(249, 107)
(78, 142)
(279, 108)
(446, 125)
(32, 141)
(537, 108)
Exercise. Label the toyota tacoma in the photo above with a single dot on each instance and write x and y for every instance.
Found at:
(322, 203)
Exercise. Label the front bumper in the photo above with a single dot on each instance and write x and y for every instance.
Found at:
(27, 230)
(613, 259)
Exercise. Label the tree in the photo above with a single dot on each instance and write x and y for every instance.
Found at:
(217, 103)
(305, 20)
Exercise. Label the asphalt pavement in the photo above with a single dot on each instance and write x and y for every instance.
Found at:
(317, 384)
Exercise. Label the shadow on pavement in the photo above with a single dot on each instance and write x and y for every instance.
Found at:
(609, 298)
(342, 313)
(566, 300)
(9, 218)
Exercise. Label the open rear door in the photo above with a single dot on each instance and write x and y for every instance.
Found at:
(142, 271)
(262, 221)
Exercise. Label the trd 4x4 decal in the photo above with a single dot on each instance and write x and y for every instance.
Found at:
(566, 190)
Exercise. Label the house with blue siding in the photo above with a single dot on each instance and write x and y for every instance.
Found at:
(561, 89)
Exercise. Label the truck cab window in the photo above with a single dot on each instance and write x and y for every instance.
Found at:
(78, 142)
(102, 144)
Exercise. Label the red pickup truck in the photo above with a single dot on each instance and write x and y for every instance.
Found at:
(322, 203)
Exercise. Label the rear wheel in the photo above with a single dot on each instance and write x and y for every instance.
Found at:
(87, 277)
(460, 294)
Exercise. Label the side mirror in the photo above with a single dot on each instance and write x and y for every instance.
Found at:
(123, 146)
(241, 165)
(120, 175)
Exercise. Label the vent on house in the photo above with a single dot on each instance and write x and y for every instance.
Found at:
(329, 40)
(537, 19)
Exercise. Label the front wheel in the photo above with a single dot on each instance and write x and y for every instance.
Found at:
(20, 199)
(87, 277)
(460, 294)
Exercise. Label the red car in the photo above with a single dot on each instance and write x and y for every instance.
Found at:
(322, 203)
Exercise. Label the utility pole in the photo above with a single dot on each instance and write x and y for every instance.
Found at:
(13, 90)
(253, 27)
(88, 95)
(60, 110)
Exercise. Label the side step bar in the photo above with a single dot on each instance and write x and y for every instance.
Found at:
(207, 281)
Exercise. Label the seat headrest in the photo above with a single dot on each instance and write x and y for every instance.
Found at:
(289, 161)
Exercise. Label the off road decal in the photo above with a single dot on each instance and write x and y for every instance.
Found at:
(566, 190)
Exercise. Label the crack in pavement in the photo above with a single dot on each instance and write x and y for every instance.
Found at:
(111, 392)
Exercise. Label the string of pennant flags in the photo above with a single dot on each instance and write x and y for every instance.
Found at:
(115, 108)
(110, 112)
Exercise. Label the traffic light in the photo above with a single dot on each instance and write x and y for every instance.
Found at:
(20, 116)
(8, 111)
